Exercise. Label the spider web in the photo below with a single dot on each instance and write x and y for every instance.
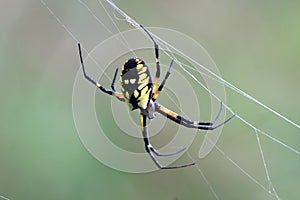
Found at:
(3, 197)
(117, 18)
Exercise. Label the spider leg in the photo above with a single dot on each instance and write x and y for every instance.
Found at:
(150, 149)
(113, 81)
(103, 89)
(113, 86)
(167, 154)
(153, 149)
(215, 119)
(156, 94)
(219, 113)
(156, 51)
(187, 122)
(167, 167)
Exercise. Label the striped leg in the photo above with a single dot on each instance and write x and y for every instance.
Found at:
(156, 94)
(103, 89)
(150, 149)
(119, 96)
(189, 123)
(156, 49)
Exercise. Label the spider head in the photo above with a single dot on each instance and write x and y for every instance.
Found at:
(150, 110)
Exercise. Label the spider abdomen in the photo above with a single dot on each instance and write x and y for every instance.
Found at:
(136, 83)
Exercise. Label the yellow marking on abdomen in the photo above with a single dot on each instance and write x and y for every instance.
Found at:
(138, 61)
(143, 70)
(127, 95)
(142, 85)
(136, 93)
(144, 97)
(142, 77)
(139, 66)
(144, 91)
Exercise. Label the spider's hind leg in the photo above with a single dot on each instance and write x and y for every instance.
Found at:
(167, 167)
(150, 149)
(165, 154)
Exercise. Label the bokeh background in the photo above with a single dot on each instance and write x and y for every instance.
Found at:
(255, 45)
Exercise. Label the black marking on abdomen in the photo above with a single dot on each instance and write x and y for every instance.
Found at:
(135, 76)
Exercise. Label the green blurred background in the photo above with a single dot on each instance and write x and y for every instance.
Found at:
(256, 46)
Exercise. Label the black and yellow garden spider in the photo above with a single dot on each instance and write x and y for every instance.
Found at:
(139, 92)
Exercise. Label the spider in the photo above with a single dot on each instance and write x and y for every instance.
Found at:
(139, 92)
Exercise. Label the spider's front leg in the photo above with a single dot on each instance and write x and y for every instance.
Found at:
(98, 85)
(156, 91)
(156, 51)
(119, 95)
(150, 149)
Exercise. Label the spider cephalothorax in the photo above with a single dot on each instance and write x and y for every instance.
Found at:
(140, 92)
